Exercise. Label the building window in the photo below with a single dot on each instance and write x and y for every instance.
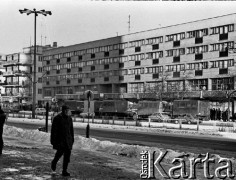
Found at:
(58, 60)
(106, 54)
(121, 78)
(39, 80)
(137, 49)
(58, 72)
(155, 55)
(68, 70)
(68, 81)
(197, 84)
(106, 78)
(57, 82)
(222, 63)
(40, 91)
(106, 66)
(176, 68)
(40, 69)
(155, 61)
(175, 37)
(175, 52)
(92, 80)
(155, 76)
(79, 80)
(198, 72)
(137, 43)
(137, 77)
(137, 63)
(175, 85)
(80, 69)
(136, 88)
(155, 40)
(121, 65)
(92, 68)
(80, 57)
(48, 62)
(154, 70)
(68, 59)
(92, 55)
(223, 83)
(155, 46)
(222, 46)
(136, 57)
(121, 51)
(197, 66)
(197, 49)
(197, 33)
(222, 29)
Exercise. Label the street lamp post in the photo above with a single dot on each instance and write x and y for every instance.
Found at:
(45, 13)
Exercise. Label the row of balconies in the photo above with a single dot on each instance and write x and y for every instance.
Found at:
(137, 77)
(138, 63)
(198, 40)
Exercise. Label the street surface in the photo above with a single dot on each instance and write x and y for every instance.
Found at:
(194, 144)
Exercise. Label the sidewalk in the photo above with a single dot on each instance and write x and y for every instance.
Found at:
(30, 160)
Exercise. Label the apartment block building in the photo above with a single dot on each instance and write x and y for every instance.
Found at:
(18, 76)
(191, 57)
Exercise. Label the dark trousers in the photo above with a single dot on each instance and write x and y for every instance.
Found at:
(66, 157)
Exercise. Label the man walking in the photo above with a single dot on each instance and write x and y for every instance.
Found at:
(2, 121)
(62, 138)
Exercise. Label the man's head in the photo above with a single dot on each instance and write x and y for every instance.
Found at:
(65, 109)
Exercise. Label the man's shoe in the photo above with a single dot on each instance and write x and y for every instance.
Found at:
(53, 166)
(65, 173)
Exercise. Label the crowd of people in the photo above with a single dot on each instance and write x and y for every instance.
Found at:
(218, 114)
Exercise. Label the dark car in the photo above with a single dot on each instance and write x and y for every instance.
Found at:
(188, 119)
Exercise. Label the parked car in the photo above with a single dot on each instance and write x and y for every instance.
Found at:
(160, 117)
(85, 114)
(40, 111)
(188, 119)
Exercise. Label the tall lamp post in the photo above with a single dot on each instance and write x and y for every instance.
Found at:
(45, 13)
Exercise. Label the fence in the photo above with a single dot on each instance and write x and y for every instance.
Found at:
(168, 124)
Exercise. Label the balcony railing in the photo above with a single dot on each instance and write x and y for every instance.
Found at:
(223, 36)
(223, 71)
(223, 54)
(176, 43)
(198, 73)
(198, 40)
(198, 56)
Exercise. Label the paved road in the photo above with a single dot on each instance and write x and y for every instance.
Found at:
(171, 141)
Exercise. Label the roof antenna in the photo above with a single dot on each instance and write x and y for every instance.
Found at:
(45, 40)
(129, 24)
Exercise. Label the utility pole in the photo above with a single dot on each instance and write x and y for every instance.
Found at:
(45, 13)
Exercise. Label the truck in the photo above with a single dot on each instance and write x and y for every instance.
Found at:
(75, 106)
(146, 108)
(197, 108)
(120, 108)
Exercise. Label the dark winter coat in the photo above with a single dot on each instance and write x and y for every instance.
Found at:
(2, 119)
(62, 132)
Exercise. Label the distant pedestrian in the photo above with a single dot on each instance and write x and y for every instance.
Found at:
(2, 121)
(62, 139)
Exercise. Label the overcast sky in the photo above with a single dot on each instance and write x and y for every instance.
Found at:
(75, 21)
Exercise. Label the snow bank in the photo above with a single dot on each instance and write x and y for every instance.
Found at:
(84, 143)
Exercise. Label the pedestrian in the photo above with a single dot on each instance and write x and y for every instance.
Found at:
(62, 139)
(2, 121)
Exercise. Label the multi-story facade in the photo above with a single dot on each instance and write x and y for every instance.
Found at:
(2, 78)
(19, 77)
(189, 57)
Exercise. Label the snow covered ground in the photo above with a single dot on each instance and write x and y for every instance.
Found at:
(121, 156)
